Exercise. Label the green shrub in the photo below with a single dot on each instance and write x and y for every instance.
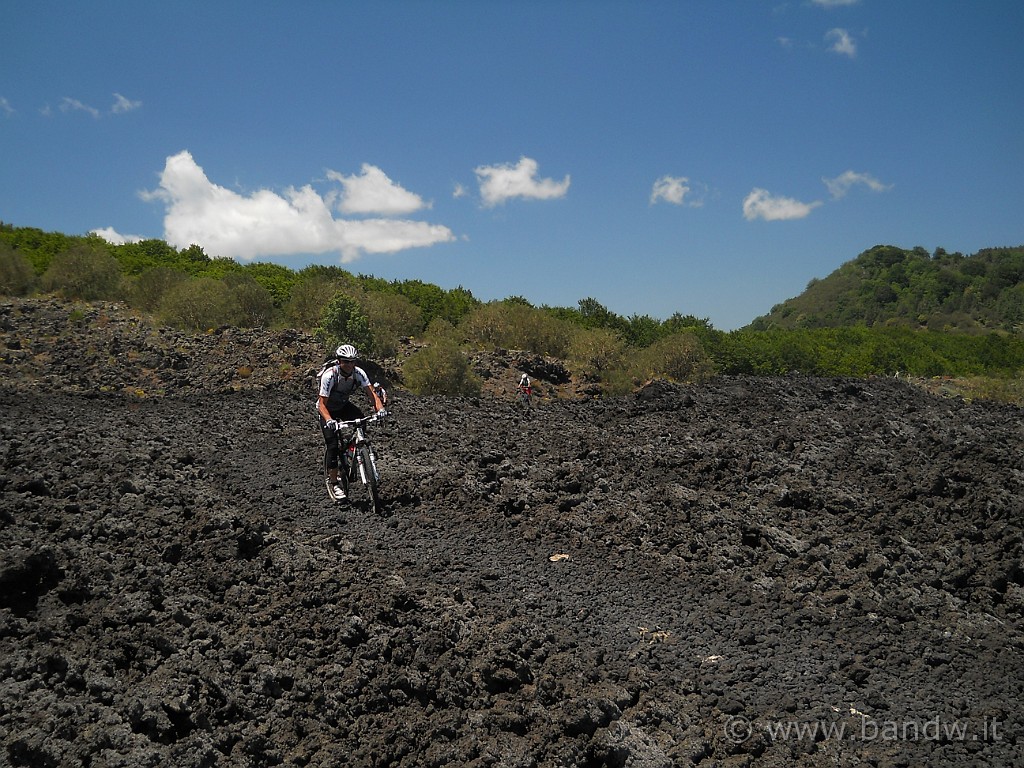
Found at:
(390, 317)
(85, 272)
(306, 303)
(311, 294)
(17, 277)
(440, 329)
(596, 350)
(440, 369)
(148, 289)
(199, 304)
(343, 322)
(254, 302)
(512, 325)
(679, 357)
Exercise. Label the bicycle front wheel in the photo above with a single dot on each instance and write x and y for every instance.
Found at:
(368, 474)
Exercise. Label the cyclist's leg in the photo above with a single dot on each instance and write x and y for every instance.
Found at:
(332, 450)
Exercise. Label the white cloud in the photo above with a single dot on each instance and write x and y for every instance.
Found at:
(834, 3)
(374, 192)
(842, 43)
(5, 107)
(840, 185)
(760, 204)
(499, 183)
(113, 236)
(677, 190)
(121, 104)
(69, 105)
(264, 223)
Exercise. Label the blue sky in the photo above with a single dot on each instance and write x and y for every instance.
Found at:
(707, 157)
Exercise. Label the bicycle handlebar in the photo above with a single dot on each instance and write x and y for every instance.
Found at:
(366, 420)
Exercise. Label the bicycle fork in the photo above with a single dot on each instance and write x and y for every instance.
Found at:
(354, 453)
(364, 470)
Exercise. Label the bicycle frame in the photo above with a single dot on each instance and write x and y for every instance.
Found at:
(350, 451)
(358, 458)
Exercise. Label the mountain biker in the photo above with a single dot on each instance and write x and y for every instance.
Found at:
(337, 380)
(525, 390)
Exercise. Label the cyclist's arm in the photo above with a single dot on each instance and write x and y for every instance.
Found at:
(372, 393)
(321, 406)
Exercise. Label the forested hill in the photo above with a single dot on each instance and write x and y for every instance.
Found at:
(890, 286)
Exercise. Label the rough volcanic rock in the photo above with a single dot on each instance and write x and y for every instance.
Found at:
(750, 572)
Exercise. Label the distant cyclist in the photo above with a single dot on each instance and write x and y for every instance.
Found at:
(337, 380)
(525, 390)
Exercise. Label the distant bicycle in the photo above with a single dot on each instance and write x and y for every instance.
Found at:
(358, 460)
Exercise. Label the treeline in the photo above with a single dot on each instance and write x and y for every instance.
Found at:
(889, 286)
(190, 290)
(193, 291)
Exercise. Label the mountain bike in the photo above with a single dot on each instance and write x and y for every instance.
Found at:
(525, 398)
(358, 460)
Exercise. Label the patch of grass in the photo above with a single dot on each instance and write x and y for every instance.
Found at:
(999, 390)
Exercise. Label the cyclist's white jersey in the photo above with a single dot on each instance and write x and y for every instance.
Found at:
(337, 387)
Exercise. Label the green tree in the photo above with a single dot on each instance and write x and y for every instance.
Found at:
(521, 300)
(1010, 307)
(343, 322)
(277, 280)
(195, 257)
(433, 301)
(594, 314)
(37, 246)
(136, 258)
(219, 268)
(642, 330)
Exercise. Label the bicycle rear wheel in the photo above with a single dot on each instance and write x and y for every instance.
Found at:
(368, 473)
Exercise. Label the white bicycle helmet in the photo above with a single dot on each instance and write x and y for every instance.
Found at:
(346, 352)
